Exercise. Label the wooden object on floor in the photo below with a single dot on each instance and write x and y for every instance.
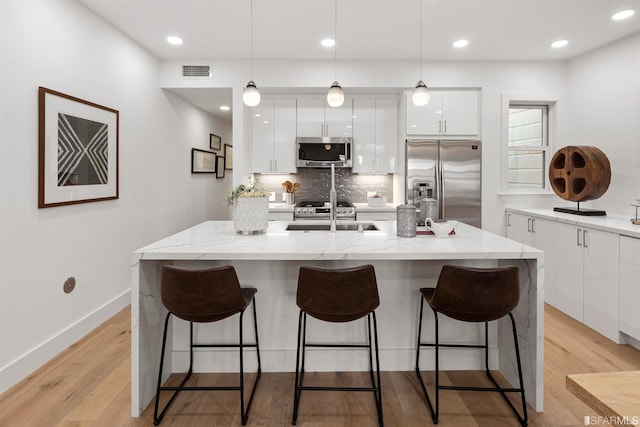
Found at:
(610, 394)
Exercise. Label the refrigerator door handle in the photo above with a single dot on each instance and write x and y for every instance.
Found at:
(440, 183)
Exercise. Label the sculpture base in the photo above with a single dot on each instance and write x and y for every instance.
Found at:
(583, 212)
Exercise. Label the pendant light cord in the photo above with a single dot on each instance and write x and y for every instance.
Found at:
(420, 39)
(251, 42)
(335, 38)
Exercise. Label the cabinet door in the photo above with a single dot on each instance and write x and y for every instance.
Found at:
(601, 261)
(262, 136)
(386, 135)
(569, 270)
(310, 117)
(460, 116)
(518, 228)
(339, 120)
(284, 146)
(629, 287)
(364, 135)
(543, 237)
(426, 119)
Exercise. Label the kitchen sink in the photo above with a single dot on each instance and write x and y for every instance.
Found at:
(301, 226)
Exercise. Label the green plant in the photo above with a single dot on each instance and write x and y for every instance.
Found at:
(253, 188)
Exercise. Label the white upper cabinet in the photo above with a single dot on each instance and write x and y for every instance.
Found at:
(375, 135)
(273, 136)
(315, 118)
(448, 113)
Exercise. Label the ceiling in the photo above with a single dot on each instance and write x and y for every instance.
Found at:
(369, 29)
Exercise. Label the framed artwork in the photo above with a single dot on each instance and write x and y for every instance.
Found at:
(77, 150)
(203, 161)
(220, 161)
(228, 155)
(215, 142)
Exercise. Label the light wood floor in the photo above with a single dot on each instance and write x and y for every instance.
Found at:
(89, 385)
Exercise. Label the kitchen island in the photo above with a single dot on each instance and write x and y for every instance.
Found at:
(271, 261)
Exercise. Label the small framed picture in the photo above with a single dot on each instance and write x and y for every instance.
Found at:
(228, 157)
(220, 160)
(203, 161)
(215, 142)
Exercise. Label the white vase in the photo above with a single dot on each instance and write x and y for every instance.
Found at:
(251, 215)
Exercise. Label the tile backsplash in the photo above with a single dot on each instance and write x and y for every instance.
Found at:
(316, 183)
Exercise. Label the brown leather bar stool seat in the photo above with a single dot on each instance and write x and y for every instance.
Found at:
(472, 295)
(338, 296)
(204, 296)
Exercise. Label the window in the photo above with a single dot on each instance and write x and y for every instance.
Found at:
(527, 147)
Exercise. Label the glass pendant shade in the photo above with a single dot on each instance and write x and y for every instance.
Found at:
(251, 95)
(335, 96)
(420, 96)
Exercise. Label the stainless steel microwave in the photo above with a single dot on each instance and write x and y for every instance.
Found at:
(322, 152)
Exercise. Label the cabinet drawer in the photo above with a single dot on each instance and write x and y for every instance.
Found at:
(630, 249)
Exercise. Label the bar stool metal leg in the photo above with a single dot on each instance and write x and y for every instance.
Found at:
(435, 409)
(375, 377)
(244, 410)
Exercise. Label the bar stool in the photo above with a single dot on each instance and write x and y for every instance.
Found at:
(472, 295)
(204, 296)
(337, 295)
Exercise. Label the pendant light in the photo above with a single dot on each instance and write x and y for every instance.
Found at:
(420, 94)
(251, 94)
(335, 96)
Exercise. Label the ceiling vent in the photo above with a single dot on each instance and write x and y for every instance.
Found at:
(196, 71)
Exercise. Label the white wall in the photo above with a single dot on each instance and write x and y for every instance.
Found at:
(604, 111)
(62, 46)
(494, 78)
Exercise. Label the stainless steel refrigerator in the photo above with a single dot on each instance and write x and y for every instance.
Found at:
(449, 171)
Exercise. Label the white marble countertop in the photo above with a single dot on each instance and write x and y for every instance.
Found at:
(217, 240)
(613, 223)
(271, 262)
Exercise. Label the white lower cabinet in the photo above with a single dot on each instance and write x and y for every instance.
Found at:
(280, 216)
(587, 277)
(387, 215)
(540, 234)
(590, 274)
(629, 320)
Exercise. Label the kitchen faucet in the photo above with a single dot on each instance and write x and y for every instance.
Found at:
(333, 199)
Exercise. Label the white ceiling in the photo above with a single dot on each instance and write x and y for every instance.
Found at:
(369, 29)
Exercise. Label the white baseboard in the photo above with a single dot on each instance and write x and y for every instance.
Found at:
(32, 360)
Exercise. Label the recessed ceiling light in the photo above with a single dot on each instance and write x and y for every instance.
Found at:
(225, 107)
(624, 14)
(174, 40)
(559, 43)
(328, 42)
(460, 43)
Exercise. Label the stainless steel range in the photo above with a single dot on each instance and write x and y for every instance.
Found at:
(322, 210)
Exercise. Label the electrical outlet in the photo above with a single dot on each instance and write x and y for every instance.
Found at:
(272, 196)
